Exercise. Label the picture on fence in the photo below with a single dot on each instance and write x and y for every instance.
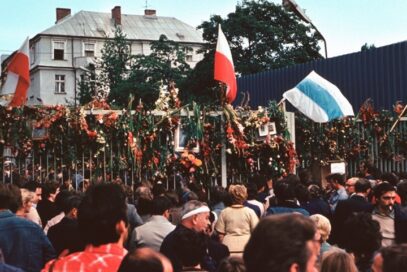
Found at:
(181, 142)
(267, 129)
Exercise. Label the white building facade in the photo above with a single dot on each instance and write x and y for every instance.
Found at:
(60, 54)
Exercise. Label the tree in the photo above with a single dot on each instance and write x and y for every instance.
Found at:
(262, 36)
(367, 47)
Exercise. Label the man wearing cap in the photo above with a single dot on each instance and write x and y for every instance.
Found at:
(188, 246)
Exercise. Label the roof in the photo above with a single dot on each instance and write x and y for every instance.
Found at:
(378, 73)
(136, 27)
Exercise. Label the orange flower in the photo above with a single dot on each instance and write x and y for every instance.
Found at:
(197, 162)
(191, 157)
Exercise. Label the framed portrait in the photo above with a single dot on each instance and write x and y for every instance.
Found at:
(39, 134)
(181, 142)
(265, 130)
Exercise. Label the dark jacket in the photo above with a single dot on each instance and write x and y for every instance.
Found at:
(400, 224)
(318, 206)
(343, 211)
(24, 243)
(65, 235)
(47, 210)
(187, 248)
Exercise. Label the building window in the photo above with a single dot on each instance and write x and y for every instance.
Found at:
(89, 49)
(59, 84)
(32, 54)
(58, 48)
(188, 54)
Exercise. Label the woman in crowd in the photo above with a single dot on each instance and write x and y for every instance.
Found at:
(236, 223)
(336, 260)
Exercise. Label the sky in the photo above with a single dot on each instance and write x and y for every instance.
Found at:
(345, 24)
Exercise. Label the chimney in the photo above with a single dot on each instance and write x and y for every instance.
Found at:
(150, 12)
(117, 15)
(62, 13)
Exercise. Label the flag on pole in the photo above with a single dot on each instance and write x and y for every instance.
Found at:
(224, 68)
(319, 99)
(18, 77)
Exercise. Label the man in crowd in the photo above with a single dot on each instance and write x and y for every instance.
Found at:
(282, 243)
(337, 183)
(350, 186)
(188, 246)
(46, 207)
(391, 259)
(358, 202)
(102, 220)
(383, 213)
(153, 232)
(23, 242)
(65, 234)
(36, 188)
(145, 260)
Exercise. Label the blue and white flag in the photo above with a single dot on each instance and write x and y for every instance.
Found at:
(319, 99)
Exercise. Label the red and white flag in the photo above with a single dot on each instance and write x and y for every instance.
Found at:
(18, 76)
(224, 68)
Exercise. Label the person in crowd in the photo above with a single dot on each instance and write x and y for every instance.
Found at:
(218, 196)
(145, 260)
(232, 264)
(36, 189)
(337, 183)
(65, 234)
(324, 228)
(282, 243)
(358, 202)
(143, 196)
(60, 203)
(391, 259)
(316, 204)
(237, 222)
(350, 185)
(401, 213)
(66, 184)
(46, 207)
(22, 242)
(363, 238)
(26, 197)
(336, 260)
(385, 195)
(188, 245)
(102, 221)
(287, 202)
(252, 202)
(153, 232)
(305, 176)
(176, 207)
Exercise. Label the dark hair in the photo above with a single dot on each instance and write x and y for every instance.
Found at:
(284, 190)
(32, 186)
(362, 185)
(49, 188)
(277, 242)
(382, 188)
(61, 200)
(218, 194)
(103, 206)
(259, 180)
(336, 177)
(141, 260)
(251, 191)
(10, 197)
(305, 176)
(390, 178)
(232, 264)
(72, 201)
(363, 237)
(159, 205)
(395, 258)
(158, 189)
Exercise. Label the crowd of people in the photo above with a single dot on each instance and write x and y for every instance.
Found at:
(290, 223)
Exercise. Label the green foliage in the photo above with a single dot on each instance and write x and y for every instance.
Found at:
(262, 36)
(367, 47)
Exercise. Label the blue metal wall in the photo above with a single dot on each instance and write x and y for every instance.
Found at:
(380, 74)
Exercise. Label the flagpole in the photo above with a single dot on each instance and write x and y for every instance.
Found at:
(398, 120)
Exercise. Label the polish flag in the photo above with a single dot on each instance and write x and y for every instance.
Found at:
(18, 77)
(224, 68)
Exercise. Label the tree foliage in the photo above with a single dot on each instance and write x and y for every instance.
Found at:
(262, 36)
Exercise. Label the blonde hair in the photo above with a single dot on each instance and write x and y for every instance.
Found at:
(238, 193)
(26, 196)
(323, 225)
(337, 260)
